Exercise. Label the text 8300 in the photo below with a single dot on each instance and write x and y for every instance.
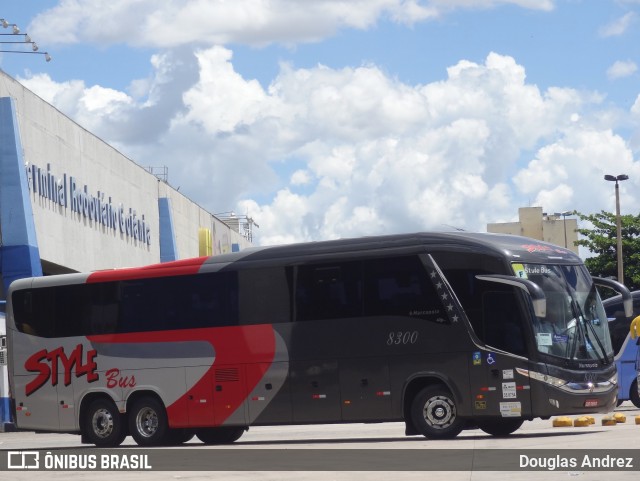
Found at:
(396, 338)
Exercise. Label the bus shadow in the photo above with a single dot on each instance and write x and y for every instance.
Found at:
(412, 439)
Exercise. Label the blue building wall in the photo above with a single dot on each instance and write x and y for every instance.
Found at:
(168, 247)
(19, 255)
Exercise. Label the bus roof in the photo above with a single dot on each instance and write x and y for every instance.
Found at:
(515, 248)
(509, 246)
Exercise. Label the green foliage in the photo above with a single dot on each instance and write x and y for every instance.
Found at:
(601, 240)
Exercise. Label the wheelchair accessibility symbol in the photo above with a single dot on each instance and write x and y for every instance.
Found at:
(491, 359)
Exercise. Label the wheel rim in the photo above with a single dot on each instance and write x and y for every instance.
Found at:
(102, 423)
(439, 412)
(147, 422)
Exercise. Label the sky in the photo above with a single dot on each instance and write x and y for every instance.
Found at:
(329, 119)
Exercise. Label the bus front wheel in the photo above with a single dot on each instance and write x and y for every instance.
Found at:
(500, 427)
(103, 425)
(434, 413)
(148, 422)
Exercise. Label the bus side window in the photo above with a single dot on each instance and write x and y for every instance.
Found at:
(265, 295)
(102, 302)
(399, 286)
(329, 291)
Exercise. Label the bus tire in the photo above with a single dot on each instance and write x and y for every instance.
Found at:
(634, 395)
(103, 425)
(176, 437)
(148, 422)
(434, 413)
(500, 427)
(220, 435)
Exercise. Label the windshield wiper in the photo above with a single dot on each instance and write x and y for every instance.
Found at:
(577, 311)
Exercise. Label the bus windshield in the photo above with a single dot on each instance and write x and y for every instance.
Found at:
(575, 326)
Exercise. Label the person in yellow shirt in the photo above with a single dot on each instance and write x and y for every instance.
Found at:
(635, 328)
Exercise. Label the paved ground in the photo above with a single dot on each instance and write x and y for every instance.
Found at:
(386, 438)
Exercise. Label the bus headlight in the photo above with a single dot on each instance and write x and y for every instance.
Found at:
(572, 387)
(551, 380)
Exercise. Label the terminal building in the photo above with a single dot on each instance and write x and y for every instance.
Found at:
(69, 202)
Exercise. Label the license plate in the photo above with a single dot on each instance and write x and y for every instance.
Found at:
(591, 403)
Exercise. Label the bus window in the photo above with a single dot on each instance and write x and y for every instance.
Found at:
(180, 302)
(33, 311)
(400, 286)
(265, 295)
(329, 291)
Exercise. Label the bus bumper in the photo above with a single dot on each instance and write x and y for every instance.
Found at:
(580, 401)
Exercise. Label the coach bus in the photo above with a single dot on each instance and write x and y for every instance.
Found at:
(442, 331)
(626, 347)
(5, 409)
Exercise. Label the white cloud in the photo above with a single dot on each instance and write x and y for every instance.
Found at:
(621, 69)
(568, 174)
(300, 177)
(619, 26)
(172, 23)
(222, 100)
(324, 153)
(635, 109)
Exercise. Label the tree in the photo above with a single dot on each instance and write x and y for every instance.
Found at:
(601, 240)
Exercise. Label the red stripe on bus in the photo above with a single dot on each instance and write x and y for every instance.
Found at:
(175, 268)
(249, 348)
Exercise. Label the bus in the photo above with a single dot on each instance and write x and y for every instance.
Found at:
(5, 409)
(625, 347)
(441, 331)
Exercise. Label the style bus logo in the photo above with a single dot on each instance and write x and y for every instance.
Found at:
(45, 363)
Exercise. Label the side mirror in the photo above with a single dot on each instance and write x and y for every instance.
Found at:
(532, 289)
(627, 299)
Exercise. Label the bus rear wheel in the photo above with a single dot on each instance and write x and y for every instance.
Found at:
(103, 425)
(221, 435)
(500, 427)
(434, 413)
(148, 422)
(176, 437)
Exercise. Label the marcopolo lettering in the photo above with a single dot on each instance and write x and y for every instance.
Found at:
(67, 192)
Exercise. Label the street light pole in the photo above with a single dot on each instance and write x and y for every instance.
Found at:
(17, 41)
(616, 179)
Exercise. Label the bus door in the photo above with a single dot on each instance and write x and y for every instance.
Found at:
(497, 388)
